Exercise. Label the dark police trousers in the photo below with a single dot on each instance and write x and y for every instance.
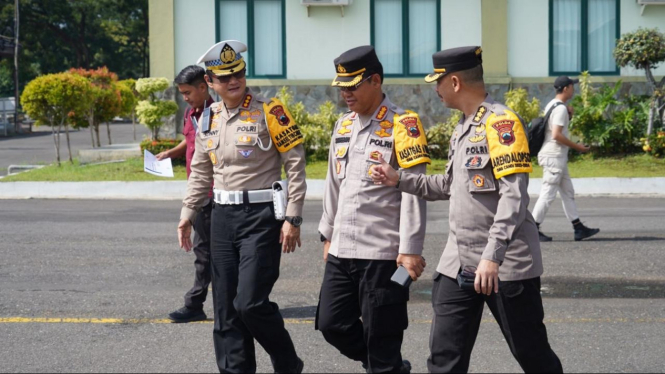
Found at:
(354, 288)
(517, 308)
(245, 256)
(195, 297)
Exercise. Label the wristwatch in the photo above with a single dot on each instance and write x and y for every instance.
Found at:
(296, 221)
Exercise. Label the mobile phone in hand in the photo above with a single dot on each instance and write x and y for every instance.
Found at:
(401, 277)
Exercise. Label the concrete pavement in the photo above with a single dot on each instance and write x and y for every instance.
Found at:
(119, 259)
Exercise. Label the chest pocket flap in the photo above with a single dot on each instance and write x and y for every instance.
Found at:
(479, 173)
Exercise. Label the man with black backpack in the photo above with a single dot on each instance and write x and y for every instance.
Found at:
(553, 157)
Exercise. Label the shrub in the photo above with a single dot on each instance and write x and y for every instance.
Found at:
(152, 110)
(518, 101)
(654, 144)
(316, 128)
(438, 136)
(161, 145)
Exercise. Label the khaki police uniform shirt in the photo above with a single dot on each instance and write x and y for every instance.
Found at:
(486, 181)
(245, 148)
(364, 220)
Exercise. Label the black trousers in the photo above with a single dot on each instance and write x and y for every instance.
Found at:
(245, 256)
(518, 309)
(353, 289)
(195, 297)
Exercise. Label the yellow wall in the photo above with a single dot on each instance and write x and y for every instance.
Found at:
(162, 48)
(494, 15)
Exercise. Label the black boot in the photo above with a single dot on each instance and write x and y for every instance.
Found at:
(185, 314)
(583, 232)
(542, 237)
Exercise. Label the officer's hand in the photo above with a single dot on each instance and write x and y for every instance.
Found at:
(162, 155)
(289, 236)
(326, 248)
(185, 235)
(414, 264)
(487, 277)
(383, 173)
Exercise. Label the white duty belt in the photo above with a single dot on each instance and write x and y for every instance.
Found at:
(224, 197)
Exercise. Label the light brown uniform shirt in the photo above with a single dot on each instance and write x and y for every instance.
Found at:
(488, 214)
(364, 220)
(239, 152)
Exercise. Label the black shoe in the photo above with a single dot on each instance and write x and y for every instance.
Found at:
(185, 314)
(583, 232)
(405, 368)
(543, 238)
(297, 370)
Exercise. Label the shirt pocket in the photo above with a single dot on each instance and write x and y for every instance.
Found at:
(244, 142)
(377, 147)
(340, 159)
(480, 175)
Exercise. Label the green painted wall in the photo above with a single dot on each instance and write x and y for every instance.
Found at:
(494, 15)
(162, 36)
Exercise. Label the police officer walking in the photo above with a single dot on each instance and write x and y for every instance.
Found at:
(243, 142)
(493, 246)
(369, 230)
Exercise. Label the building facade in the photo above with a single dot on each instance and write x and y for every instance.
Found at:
(526, 43)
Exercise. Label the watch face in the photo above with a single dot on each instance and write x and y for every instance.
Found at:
(296, 221)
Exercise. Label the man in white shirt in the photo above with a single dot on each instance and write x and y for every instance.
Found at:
(553, 157)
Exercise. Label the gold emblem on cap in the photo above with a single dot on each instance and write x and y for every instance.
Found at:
(340, 69)
(479, 51)
(228, 55)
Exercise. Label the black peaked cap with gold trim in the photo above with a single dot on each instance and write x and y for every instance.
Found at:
(454, 59)
(224, 58)
(355, 65)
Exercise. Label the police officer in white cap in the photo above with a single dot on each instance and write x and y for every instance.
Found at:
(243, 142)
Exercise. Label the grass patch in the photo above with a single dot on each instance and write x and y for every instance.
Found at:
(586, 166)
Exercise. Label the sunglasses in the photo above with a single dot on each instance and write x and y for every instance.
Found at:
(353, 88)
(227, 78)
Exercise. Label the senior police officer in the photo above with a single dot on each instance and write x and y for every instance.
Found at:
(369, 230)
(492, 234)
(243, 143)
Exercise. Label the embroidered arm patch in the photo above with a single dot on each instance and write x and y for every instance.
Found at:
(509, 147)
(410, 140)
(281, 126)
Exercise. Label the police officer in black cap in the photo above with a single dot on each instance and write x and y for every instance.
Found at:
(493, 253)
(369, 230)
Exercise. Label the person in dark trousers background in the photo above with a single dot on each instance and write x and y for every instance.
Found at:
(194, 90)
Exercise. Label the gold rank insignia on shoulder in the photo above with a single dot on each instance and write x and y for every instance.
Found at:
(247, 101)
(479, 114)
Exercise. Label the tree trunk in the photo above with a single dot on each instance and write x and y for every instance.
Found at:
(134, 125)
(91, 125)
(69, 147)
(92, 137)
(108, 132)
(651, 110)
(97, 134)
(55, 143)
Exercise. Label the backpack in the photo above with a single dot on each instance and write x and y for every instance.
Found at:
(536, 131)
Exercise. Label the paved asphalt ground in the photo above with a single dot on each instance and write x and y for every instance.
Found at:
(38, 148)
(118, 261)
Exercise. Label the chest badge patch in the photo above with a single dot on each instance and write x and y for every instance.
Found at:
(250, 116)
(244, 139)
(479, 180)
(375, 155)
(505, 129)
(411, 124)
(338, 167)
(213, 158)
(344, 129)
(282, 118)
(209, 143)
(480, 134)
(341, 151)
(246, 153)
(386, 129)
(474, 162)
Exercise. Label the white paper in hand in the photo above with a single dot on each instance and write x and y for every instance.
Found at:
(161, 168)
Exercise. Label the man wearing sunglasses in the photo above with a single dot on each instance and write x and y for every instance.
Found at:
(369, 230)
(493, 254)
(243, 142)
